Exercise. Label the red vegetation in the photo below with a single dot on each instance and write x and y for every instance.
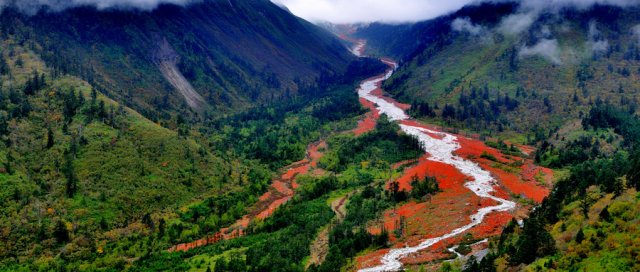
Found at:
(473, 149)
(452, 207)
(492, 225)
(448, 176)
(517, 185)
(281, 191)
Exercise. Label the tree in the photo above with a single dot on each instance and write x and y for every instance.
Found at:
(580, 236)
(397, 195)
(146, 219)
(448, 112)
(8, 165)
(424, 187)
(72, 180)
(472, 264)
(104, 225)
(60, 232)
(4, 67)
(50, 140)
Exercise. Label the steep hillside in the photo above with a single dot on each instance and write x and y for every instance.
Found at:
(564, 79)
(81, 173)
(89, 183)
(233, 53)
(516, 70)
(404, 41)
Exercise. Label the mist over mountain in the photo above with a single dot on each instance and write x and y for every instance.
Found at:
(31, 7)
(410, 11)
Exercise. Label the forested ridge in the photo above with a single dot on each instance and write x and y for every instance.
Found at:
(91, 184)
(236, 54)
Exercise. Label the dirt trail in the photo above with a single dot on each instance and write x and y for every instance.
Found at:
(320, 246)
(338, 206)
(280, 191)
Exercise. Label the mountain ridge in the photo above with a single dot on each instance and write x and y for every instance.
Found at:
(234, 55)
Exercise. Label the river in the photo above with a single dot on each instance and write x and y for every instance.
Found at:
(441, 149)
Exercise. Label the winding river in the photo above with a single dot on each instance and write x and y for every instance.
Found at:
(439, 149)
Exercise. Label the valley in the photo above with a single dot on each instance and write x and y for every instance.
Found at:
(478, 195)
(352, 136)
(442, 148)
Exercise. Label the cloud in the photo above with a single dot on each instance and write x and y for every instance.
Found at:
(465, 25)
(578, 4)
(365, 11)
(597, 43)
(517, 23)
(599, 46)
(636, 31)
(32, 6)
(546, 48)
(397, 11)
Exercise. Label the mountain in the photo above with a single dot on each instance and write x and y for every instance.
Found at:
(493, 76)
(231, 135)
(124, 132)
(404, 41)
(564, 79)
(215, 55)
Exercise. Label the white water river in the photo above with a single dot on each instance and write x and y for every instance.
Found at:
(440, 150)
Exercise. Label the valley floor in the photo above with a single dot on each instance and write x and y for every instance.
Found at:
(480, 186)
(481, 190)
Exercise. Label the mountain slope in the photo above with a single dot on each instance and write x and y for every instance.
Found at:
(479, 73)
(563, 79)
(80, 171)
(234, 53)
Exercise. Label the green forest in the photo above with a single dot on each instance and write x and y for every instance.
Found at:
(104, 165)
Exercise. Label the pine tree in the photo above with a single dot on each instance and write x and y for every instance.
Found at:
(604, 214)
(72, 180)
(8, 165)
(60, 232)
(4, 67)
(50, 140)
(580, 236)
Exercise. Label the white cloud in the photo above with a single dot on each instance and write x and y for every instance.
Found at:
(545, 48)
(395, 11)
(580, 4)
(363, 11)
(636, 32)
(599, 46)
(33, 5)
(597, 43)
(517, 23)
(465, 25)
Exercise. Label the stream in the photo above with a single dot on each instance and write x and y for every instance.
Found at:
(439, 150)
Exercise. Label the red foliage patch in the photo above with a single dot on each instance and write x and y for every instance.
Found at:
(280, 191)
(448, 177)
(472, 149)
(516, 185)
(492, 224)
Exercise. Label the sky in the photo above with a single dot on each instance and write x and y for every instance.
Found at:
(400, 11)
(365, 11)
